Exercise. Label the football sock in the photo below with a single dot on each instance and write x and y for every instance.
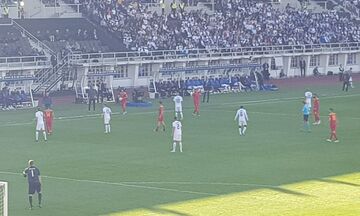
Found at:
(109, 128)
(163, 127)
(44, 133)
(30, 201)
(174, 146)
(243, 130)
(180, 144)
(37, 135)
(39, 196)
(181, 115)
(176, 114)
(240, 132)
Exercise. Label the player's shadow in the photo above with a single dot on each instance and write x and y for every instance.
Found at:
(287, 191)
(167, 211)
(339, 182)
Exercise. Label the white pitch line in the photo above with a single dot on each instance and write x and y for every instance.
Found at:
(254, 102)
(140, 184)
(119, 184)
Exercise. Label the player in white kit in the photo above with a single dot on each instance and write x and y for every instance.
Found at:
(308, 97)
(107, 118)
(40, 124)
(178, 106)
(177, 133)
(242, 117)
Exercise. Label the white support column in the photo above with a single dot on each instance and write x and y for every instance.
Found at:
(286, 66)
(307, 66)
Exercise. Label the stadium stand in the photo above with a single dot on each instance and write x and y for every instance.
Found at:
(12, 43)
(71, 35)
(240, 23)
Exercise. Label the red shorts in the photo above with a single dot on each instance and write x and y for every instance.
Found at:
(333, 128)
(160, 118)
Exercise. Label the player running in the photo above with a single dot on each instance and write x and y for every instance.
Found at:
(123, 96)
(316, 109)
(34, 180)
(177, 133)
(242, 117)
(196, 97)
(160, 121)
(49, 118)
(40, 124)
(107, 118)
(306, 113)
(308, 97)
(178, 106)
(333, 123)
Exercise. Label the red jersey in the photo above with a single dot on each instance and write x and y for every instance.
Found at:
(49, 114)
(161, 113)
(332, 119)
(197, 95)
(123, 96)
(316, 104)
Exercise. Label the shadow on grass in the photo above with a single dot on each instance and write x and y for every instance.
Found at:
(287, 191)
(166, 211)
(338, 182)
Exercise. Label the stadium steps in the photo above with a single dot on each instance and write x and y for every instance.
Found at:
(48, 78)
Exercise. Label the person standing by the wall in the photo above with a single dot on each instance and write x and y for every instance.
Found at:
(341, 72)
(91, 97)
(207, 88)
(302, 67)
(346, 80)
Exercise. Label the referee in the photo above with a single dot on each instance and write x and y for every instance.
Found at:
(34, 179)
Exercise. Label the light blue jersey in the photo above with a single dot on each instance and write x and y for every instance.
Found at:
(306, 109)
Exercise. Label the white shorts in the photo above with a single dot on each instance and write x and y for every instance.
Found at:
(40, 127)
(177, 137)
(106, 120)
(178, 109)
(242, 123)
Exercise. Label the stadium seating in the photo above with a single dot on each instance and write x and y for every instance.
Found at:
(71, 34)
(13, 44)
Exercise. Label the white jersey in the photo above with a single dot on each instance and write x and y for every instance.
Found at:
(177, 130)
(39, 115)
(178, 100)
(107, 115)
(308, 98)
(241, 116)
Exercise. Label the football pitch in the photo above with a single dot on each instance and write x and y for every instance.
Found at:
(276, 169)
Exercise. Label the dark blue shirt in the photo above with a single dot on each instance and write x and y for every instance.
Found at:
(32, 174)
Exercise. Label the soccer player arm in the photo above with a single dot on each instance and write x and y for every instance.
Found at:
(25, 172)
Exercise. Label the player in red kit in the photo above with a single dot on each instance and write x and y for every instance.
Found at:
(49, 118)
(196, 97)
(316, 109)
(123, 100)
(333, 123)
(160, 121)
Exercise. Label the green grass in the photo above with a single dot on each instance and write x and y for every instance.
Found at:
(101, 169)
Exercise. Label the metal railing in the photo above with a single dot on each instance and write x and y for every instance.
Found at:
(215, 53)
(33, 38)
(23, 62)
(49, 77)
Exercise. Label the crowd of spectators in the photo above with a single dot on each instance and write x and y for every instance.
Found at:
(12, 99)
(241, 23)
